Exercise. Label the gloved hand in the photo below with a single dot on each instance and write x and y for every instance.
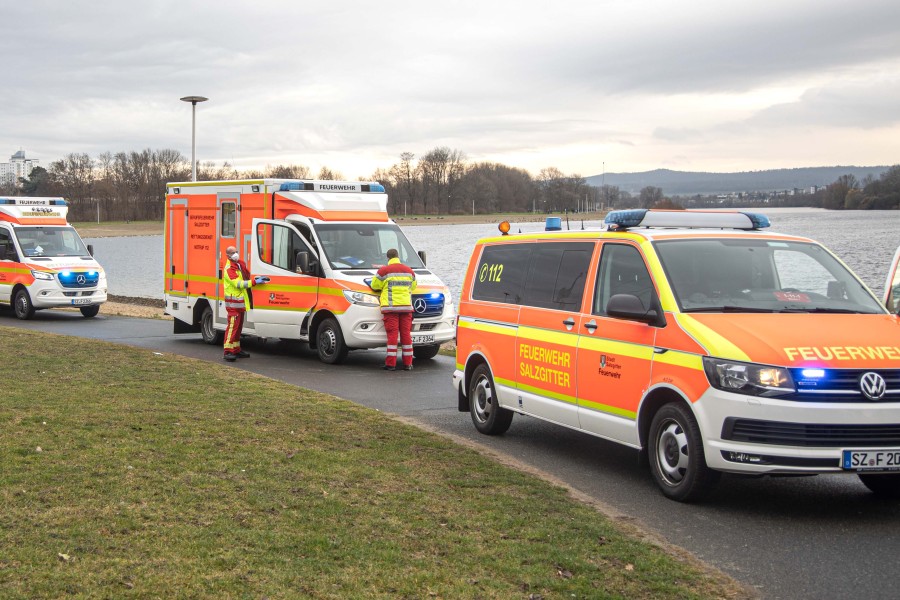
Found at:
(260, 279)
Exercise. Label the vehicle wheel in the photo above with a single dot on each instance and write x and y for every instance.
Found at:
(887, 484)
(207, 328)
(22, 304)
(677, 460)
(91, 311)
(426, 352)
(487, 415)
(330, 342)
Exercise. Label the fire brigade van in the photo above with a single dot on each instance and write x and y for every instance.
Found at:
(695, 337)
(318, 242)
(43, 261)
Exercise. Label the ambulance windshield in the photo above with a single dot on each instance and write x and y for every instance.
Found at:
(50, 242)
(755, 275)
(363, 245)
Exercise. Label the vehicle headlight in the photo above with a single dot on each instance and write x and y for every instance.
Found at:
(448, 297)
(361, 298)
(42, 275)
(748, 378)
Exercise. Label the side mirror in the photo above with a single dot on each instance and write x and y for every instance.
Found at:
(91, 249)
(628, 306)
(892, 285)
(421, 254)
(301, 262)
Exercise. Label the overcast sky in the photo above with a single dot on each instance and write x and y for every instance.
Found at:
(620, 85)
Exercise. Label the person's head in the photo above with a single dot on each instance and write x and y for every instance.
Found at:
(392, 253)
(232, 253)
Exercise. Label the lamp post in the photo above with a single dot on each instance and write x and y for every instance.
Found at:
(194, 100)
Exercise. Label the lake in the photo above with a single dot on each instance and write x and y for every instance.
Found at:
(864, 240)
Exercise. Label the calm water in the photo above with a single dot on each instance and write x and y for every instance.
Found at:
(865, 240)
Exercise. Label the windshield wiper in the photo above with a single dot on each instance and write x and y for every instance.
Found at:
(819, 309)
(729, 308)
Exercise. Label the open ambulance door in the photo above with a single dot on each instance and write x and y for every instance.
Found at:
(281, 305)
(892, 285)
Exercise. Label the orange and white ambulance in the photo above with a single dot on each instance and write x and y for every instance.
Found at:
(695, 337)
(318, 242)
(43, 261)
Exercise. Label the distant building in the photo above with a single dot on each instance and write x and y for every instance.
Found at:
(17, 168)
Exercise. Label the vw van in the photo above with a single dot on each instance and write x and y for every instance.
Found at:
(696, 337)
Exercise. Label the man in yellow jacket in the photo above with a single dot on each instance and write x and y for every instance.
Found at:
(237, 283)
(396, 283)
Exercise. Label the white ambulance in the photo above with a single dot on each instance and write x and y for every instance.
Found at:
(43, 261)
(318, 242)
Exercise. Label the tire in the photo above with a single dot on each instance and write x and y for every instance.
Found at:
(22, 305)
(207, 328)
(330, 342)
(887, 485)
(89, 312)
(489, 418)
(677, 460)
(426, 352)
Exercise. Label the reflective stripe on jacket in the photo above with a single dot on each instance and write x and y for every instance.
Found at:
(237, 283)
(396, 282)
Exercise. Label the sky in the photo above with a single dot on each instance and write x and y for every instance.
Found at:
(586, 87)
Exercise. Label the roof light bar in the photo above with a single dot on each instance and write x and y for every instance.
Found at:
(641, 217)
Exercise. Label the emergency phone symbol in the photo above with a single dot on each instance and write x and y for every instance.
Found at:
(872, 385)
(420, 305)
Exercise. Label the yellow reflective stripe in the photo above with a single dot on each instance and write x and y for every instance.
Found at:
(611, 410)
(547, 393)
(549, 336)
(712, 342)
(680, 359)
(488, 327)
(19, 270)
(616, 347)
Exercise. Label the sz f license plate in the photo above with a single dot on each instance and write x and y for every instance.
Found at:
(81, 301)
(422, 339)
(871, 460)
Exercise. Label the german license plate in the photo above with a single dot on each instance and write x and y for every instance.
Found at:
(886, 459)
(80, 301)
(422, 339)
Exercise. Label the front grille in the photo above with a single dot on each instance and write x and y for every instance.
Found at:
(78, 279)
(842, 385)
(810, 435)
(428, 305)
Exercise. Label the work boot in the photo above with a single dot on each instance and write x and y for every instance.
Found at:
(389, 368)
(243, 354)
(407, 367)
(230, 357)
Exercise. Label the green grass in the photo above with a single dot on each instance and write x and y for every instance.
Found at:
(128, 473)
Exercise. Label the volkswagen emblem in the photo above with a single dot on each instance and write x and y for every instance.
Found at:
(420, 305)
(81, 279)
(872, 385)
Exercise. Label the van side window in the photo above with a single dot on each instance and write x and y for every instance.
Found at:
(7, 250)
(500, 274)
(557, 275)
(228, 219)
(278, 245)
(622, 271)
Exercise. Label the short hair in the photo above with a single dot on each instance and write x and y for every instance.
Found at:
(392, 253)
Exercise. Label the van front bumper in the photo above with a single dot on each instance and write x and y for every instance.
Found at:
(55, 298)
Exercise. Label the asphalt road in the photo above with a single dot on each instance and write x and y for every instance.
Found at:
(810, 537)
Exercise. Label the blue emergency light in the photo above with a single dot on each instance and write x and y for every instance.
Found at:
(642, 217)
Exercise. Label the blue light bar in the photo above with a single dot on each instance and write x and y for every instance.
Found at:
(374, 187)
(553, 224)
(813, 373)
(759, 221)
(625, 218)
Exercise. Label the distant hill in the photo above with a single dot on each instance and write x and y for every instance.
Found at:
(687, 183)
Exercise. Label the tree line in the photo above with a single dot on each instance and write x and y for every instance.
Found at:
(132, 185)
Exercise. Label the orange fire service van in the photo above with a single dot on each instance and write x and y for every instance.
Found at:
(318, 242)
(695, 337)
(43, 261)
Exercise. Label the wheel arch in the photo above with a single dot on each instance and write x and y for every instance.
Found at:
(472, 362)
(653, 401)
(315, 321)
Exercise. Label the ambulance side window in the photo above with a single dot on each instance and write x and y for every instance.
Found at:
(7, 250)
(278, 245)
(228, 219)
(500, 274)
(622, 271)
(557, 275)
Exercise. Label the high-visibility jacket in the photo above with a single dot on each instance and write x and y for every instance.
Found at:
(237, 283)
(396, 282)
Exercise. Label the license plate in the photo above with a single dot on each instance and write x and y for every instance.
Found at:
(871, 460)
(422, 339)
(80, 301)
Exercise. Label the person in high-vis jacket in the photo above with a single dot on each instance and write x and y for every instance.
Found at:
(396, 283)
(237, 283)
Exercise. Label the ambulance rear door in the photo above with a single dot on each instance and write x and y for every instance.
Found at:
(281, 305)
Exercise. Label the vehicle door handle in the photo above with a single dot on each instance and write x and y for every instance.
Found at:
(569, 323)
(591, 325)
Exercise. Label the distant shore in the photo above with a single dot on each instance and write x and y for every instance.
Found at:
(132, 228)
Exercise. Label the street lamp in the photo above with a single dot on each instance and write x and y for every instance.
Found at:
(194, 100)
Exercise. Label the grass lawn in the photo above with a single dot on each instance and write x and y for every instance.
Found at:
(129, 473)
